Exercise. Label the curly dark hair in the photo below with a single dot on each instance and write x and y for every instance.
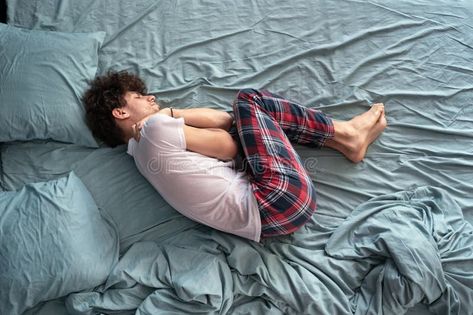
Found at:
(104, 94)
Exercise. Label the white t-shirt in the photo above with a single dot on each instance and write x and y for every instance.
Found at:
(202, 188)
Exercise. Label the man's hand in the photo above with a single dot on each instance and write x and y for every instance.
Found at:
(136, 128)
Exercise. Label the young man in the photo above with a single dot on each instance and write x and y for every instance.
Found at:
(187, 154)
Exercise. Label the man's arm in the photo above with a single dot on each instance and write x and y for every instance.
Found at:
(202, 117)
(212, 142)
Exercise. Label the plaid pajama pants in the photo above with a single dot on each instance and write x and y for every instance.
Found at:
(266, 125)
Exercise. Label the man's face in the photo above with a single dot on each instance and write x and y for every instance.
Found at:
(139, 106)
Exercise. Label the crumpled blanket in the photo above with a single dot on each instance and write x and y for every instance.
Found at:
(391, 253)
(419, 248)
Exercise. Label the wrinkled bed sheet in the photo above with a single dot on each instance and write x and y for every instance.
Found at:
(340, 56)
(391, 253)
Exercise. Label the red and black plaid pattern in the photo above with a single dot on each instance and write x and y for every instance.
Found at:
(266, 125)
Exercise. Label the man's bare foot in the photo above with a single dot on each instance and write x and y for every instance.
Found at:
(353, 137)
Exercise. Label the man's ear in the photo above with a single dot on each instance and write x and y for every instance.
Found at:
(120, 113)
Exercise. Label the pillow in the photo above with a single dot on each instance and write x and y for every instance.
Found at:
(53, 241)
(44, 75)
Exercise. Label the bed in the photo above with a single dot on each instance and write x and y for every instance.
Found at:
(82, 232)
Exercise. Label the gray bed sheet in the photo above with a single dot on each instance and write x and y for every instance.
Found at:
(110, 175)
(340, 56)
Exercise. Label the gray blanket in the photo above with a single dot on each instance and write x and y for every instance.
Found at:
(391, 253)
(410, 247)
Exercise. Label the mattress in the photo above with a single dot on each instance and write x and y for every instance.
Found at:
(337, 56)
